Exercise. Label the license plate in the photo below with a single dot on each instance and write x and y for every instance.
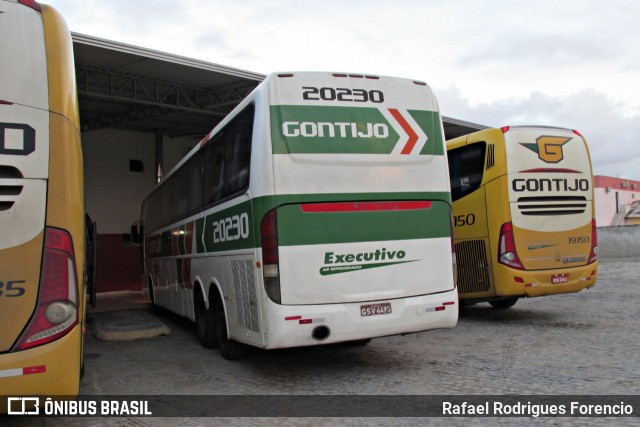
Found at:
(559, 278)
(375, 309)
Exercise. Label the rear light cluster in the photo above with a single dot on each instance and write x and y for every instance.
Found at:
(270, 258)
(507, 253)
(593, 255)
(31, 3)
(57, 309)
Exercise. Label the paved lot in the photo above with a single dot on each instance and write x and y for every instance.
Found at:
(584, 343)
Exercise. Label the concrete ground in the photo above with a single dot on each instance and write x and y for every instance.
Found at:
(587, 343)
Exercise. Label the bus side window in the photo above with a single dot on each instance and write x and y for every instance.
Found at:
(214, 170)
(239, 152)
(466, 167)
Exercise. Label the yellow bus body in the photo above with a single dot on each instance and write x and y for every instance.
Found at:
(52, 368)
(545, 201)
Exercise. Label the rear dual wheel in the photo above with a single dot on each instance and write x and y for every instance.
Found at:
(229, 348)
(205, 323)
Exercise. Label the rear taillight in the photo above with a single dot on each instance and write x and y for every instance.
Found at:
(270, 259)
(593, 256)
(57, 309)
(31, 3)
(507, 253)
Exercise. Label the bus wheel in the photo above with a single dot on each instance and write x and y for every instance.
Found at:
(504, 303)
(204, 323)
(230, 349)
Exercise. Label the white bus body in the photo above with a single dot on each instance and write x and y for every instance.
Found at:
(325, 219)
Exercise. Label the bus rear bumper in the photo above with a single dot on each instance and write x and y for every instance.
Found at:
(299, 326)
(49, 370)
(511, 282)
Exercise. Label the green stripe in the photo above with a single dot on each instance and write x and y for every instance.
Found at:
(345, 130)
(283, 199)
(298, 229)
(303, 228)
(227, 230)
(430, 122)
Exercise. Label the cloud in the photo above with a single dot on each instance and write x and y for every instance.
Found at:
(550, 50)
(572, 63)
(613, 136)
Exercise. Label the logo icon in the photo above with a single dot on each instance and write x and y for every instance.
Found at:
(548, 148)
(23, 405)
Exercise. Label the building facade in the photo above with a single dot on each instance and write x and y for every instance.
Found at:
(617, 201)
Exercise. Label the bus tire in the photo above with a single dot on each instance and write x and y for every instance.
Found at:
(204, 323)
(229, 348)
(504, 303)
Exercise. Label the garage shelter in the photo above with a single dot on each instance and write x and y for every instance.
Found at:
(141, 111)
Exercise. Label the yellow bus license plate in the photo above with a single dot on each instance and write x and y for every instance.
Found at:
(559, 278)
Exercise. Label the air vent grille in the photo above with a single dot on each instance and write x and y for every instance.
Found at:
(10, 186)
(473, 272)
(552, 205)
(491, 156)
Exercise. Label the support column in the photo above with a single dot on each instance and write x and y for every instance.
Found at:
(159, 155)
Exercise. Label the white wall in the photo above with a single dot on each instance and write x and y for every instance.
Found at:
(113, 194)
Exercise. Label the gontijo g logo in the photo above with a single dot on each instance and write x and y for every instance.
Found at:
(548, 148)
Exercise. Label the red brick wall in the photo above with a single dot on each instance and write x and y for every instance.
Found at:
(119, 266)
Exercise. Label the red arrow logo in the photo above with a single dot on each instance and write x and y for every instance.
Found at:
(413, 137)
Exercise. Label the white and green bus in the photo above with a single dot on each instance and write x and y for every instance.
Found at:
(317, 212)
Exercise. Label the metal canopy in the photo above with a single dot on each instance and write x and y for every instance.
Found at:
(128, 87)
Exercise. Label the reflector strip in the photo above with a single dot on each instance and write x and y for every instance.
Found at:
(293, 318)
(308, 321)
(18, 372)
(449, 303)
(364, 206)
(34, 370)
(438, 308)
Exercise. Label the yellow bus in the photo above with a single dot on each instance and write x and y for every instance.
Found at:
(42, 216)
(523, 212)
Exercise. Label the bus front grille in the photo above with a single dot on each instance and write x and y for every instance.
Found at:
(552, 205)
(473, 271)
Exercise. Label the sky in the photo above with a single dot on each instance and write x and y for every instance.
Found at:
(566, 63)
